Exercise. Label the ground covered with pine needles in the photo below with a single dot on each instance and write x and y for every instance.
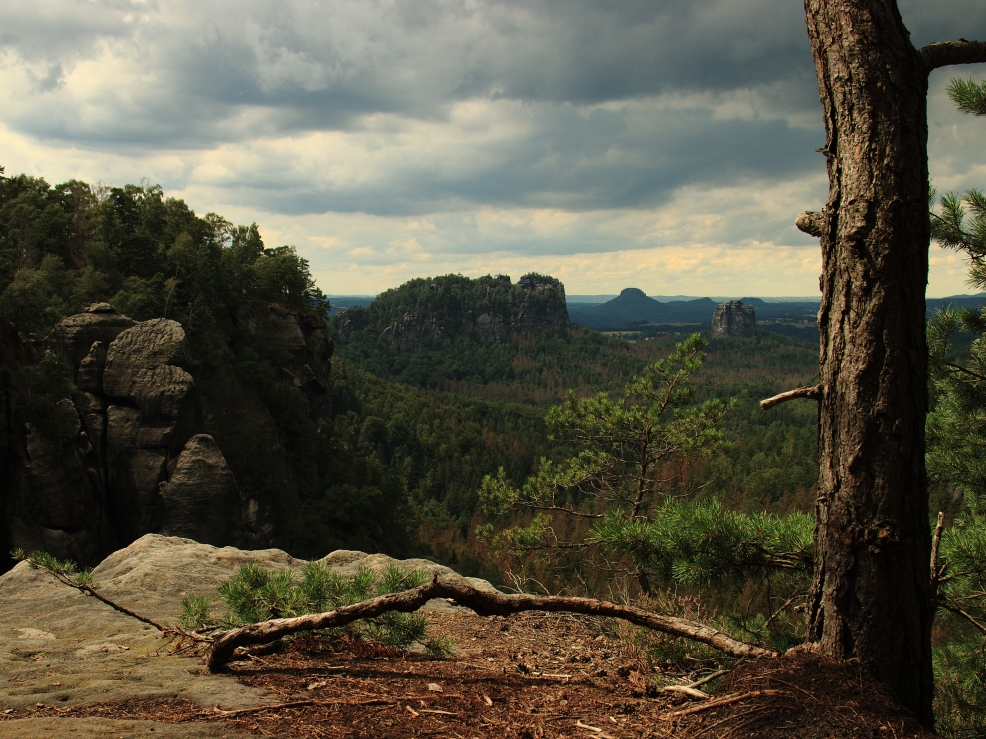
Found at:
(529, 676)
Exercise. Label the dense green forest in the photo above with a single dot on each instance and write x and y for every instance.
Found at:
(394, 461)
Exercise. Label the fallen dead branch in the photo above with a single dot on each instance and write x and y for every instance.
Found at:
(296, 704)
(707, 678)
(685, 690)
(691, 689)
(724, 701)
(482, 603)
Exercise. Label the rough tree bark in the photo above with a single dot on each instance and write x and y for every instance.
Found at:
(871, 596)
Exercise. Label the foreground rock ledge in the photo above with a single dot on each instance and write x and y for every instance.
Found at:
(61, 648)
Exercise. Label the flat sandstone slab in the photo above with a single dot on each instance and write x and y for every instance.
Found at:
(60, 648)
(99, 728)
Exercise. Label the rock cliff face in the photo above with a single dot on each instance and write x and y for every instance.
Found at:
(134, 460)
(734, 319)
(290, 342)
(488, 310)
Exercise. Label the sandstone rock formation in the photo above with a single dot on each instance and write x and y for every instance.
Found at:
(734, 319)
(101, 655)
(74, 336)
(201, 501)
(488, 310)
(133, 462)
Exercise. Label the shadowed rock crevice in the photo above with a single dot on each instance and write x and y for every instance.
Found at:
(135, 459)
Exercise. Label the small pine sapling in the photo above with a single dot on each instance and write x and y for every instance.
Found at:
(632, 517)
(620, 473)
(256, 594)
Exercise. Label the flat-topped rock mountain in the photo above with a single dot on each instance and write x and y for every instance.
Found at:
(487, 309)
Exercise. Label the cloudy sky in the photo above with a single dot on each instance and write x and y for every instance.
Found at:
(662, 144)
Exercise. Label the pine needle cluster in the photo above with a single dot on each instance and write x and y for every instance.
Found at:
(65, 570)
(257, 594)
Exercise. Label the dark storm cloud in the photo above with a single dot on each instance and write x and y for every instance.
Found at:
(126, 75)
(319, 65)
(576, 162)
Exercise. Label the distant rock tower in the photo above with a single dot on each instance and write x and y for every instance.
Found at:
(734, 319)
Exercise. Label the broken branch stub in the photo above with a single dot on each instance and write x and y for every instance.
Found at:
(801, 393)
(481, 602)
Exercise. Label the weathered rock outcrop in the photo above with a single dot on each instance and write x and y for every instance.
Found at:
(201, 501)
(152, 410)
(133, 462)
(74, 336)
(101, 655)
(543, 306)
(488, 309)
(290, 341)
(734, 319)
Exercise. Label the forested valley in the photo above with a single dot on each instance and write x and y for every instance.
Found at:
(393, 458)
(429, 423)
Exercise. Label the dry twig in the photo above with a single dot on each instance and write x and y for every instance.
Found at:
(724, 701)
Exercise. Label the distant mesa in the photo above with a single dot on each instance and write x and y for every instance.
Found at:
(734, 319)
(634, 307)
(488, 309)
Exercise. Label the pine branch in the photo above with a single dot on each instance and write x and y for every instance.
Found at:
(808, 393)
(967, 616)
(90, 589)
(811, 223)
(947, 53)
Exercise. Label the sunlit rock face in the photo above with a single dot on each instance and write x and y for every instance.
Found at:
(734, 319)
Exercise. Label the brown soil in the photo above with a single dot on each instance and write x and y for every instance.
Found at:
(528, 677)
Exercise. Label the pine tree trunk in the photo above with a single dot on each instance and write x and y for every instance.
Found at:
(871, 594)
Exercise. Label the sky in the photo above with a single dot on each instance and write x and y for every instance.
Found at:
(661, 144)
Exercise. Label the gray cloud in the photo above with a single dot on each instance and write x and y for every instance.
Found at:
(320, 66)
(126, 75)
(573, 161)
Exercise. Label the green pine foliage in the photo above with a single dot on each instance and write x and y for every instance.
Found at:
(956, 436)
(624, 448)
(969, 96)
(617, 506)
(257, 594)
(64, 570)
